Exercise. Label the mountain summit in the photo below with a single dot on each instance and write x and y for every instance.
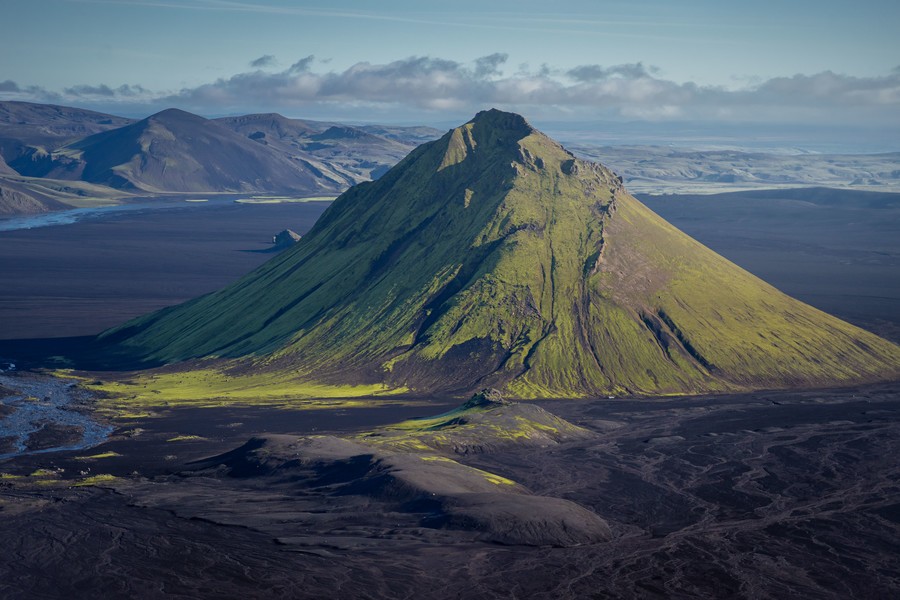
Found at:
(494, 257)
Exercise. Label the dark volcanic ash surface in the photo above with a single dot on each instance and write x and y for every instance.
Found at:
(788, 494)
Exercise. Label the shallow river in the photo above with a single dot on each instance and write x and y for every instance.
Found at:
(40, 406)
(66, 217)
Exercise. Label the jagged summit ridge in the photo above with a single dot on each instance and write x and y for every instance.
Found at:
(492, 257)
(499, 119)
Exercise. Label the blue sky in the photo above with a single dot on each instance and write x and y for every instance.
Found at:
(769, 62)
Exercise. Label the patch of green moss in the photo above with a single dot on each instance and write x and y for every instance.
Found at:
(213, 387)
(479, 425)
(48, 482)
(96, 480)
(491, 477)
(43, 473)
(99, 456)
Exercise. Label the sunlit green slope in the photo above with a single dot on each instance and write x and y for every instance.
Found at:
(493, 257)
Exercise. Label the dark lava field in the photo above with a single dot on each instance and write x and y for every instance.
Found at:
(786, 494)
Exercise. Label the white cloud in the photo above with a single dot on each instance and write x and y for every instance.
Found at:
(436, 88)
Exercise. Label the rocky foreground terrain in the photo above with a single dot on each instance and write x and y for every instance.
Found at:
(752, 496)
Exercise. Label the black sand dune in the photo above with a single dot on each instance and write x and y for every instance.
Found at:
(362, 485)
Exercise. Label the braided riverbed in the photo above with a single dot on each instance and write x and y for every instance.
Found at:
(45, 414)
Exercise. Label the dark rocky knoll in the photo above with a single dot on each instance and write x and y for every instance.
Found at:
(286, 238)
(409, 476)
(494, 257)
(486, 423)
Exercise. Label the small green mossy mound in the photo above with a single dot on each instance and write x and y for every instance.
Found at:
(485, 423)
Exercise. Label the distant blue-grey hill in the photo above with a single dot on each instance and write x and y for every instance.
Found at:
(54, 157)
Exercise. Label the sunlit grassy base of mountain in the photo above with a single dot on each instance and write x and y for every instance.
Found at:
(210, 387)
(735, 327)
(493, 258)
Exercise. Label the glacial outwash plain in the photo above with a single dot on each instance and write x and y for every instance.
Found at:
(489, 372)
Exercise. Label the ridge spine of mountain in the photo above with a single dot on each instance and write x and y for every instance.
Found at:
(494, 257)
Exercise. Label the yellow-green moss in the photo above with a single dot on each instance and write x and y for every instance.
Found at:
(211, 387)
(96, 480)
(99, 456)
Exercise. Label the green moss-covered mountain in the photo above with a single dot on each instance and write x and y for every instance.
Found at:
(493, 257)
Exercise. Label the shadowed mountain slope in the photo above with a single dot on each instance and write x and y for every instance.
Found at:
(337, 152)
(493, 257)
(29, 131)
(485, 424)
(5, 169)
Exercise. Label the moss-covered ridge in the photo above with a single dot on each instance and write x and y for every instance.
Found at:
(493, 257)
(485, 423)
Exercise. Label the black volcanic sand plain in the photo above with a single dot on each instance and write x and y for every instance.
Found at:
(78, 279)
(769, 495)
(837, 250)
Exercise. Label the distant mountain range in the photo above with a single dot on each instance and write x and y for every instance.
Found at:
(667, 169)
(42, 146)
(56, 157)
